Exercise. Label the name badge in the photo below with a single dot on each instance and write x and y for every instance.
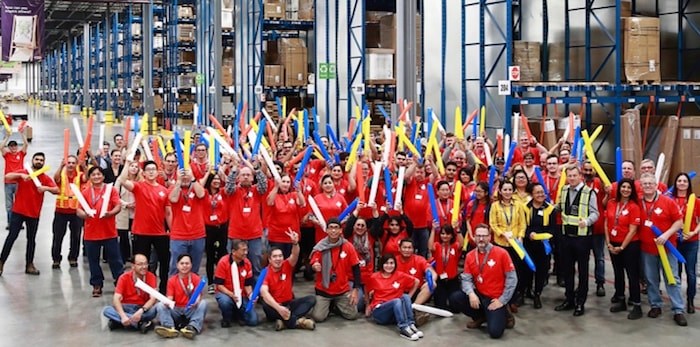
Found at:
(648, 223)
(213, 217)
(191, 195)
(419, 197)
(540, 213)
(443, 276)
(246, 210)
(613, 232)
(186, 208)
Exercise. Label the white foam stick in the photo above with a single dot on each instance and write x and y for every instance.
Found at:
(506, 146)
(387, 146)
(101, 139)
(499, 132)
(432, 310)
(105, 200)
(270, 164)
(399, 186)
(437, 121)
(147, 149)
(567, 130)
(196, 114)
(516, 125)
(317, 212)
(236, 284)
(78, 133)
(81, 200)
(134, 145)
(377, 167)
(222, 143)
(154, 293)
(660, 166)
(36, 181)
(487, 151)
(229, 129)
(269, 119)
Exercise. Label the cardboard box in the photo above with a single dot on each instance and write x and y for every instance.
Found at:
(550, 134)
(667, 144)
(136, 29)
(185, 12)
(527, 56)
(185, 32)
(185, 107)
(274, 75)
(226, 76)
(292, 10)
(373, 35)
(158, 61)
(293, 56)
(186, 57)
(641, 49)
(687, 148)
(379, 65)
(556, 58)
(227, 20)
(158, 102)
(275, 9)
(625, 8)
(306, 10)
(227, 5)
(631, 142)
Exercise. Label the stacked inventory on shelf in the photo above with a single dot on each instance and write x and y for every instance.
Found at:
(158, 67)
(228, 66)
(76, 82)
(180, 76)
(65, 76)
(129, 53)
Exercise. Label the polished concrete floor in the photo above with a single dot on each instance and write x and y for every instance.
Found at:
(56, 308)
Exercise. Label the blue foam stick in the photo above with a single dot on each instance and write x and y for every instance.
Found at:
(259, 136)
(538, 173)
(302, 167)
(429, 280)
(383, 111)
(178, 151)
(579, 154)
(475, 127)
(618, 163)
(348, 143)
(334, 139)
(197, 292)
(547, 247)
(429, 120)
(137, 123)
(235, 132)
(577, 139)
(321, 147)
(691, 174)
(433, 203)
(669, 246)
(239, 109)
(492, 178)
(387, 186)
(513, 144)
(278, 101)
(348, 210)
(526, 257)
(204, 141)
(217, 154)
(306, 125)
(316, 119)
(256, 290)
(337, 157)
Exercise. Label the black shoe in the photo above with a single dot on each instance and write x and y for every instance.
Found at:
(615, 299)
(618, 307)
(679, 318)
(600, 290)
(144, 327)
(520, 301)
(565, 306)
(528, 294)
(691, 307)
(114, 325)
(655, 312)
(636, 313)
(225, 324)
(537, 302)
(56, 265)
(629, 302)
(579, 311)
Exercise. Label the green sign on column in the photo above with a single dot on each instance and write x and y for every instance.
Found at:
(199, 79)
(326, 71)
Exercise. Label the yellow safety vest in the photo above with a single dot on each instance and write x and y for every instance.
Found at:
(66, 199)
(571, 221)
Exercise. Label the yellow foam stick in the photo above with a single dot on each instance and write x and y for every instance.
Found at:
(300, 128)
(542, 236)
(562, 180)
(284, 105)
(161, 145)
(399, 144)
(588, 146)
(144, 124)
(365, 133)
(212, 149)
(4, 122)
(689, 209)
(459, 132)
(438, 157)
(169, 147)
(186, 149)
(318, 155)
(36, 173)
(403, 139)
(596, 132)
(516, 248)
(482, 124)
(353, 153)
(456, 201)
(666, 265)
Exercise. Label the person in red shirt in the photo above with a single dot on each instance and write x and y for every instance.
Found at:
(417, 205)
(488, 283)
(330, 202)
(660, 211)
(70, 172)
(391, 229)
(688, 240)
(278, 301)
(215, 224)
(596, 185)
(476, 212)
(286, 208)
(444, 204)
(416, 266)
(26, 210)
(527, 145)
(363, 233)
(188, 201)
(100, 228)
(389, 298)
(333, 259)
(167, 177)
(622, 219)
(14, 159)
(233, 300)
(151, 213)
(345, 186)
(131, 306)
(446, 251)
(181, 287)
(199, 164)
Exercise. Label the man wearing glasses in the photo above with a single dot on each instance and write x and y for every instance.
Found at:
(131, 306)
(14, 159)
(168, 176)
(200, 161)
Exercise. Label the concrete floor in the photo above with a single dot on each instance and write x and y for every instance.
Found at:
(57, 308)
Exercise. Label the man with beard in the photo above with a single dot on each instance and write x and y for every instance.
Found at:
(14, 158)
(70, 172)
(598, 228)
(131, 306)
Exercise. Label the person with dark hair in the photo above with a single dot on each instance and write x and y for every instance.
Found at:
(215, 224)
(199, 160)
(70, 172)
(115, 167)
(278, 301)
(529, 165)
(446, 251)
(476, 212)
(392, 228)
(389, 295)
(330, 202)
(688, 239)
(444, 204)
(125, 217)
(188, 201)
(131, 306)
(593, 182)
(468, 183)
(182, 319)
(416, 204)
(100, 229)
(232, 301)
(417, 266)
(539, 219)
(451, 174)
(344, 184)
(26, 210)
(14, 160)
(363, 233)
(286, 206)
(622, 219)
(521, 182)
(167, 177)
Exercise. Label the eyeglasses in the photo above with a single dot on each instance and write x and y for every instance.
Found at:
(481, 236)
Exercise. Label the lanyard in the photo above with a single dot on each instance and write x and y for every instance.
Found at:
(509, 220)
(214, 199)
(445, 255)
(138, 291)
(618, 210)
(188, 290)
(96, 198)
(483, 263)
(682, 204)
(442, 211)
(186, 195)
(650, 209)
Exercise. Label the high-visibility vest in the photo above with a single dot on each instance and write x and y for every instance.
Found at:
(570, 221)
(66, 199)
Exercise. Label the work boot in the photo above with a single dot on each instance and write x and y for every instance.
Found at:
(636, 313)
(619, 307)
(31, 270)
(600, 290)
(691, 304)
(306, 323)
(537, 302)
(279, 325)
(510, 321)
(476, 323)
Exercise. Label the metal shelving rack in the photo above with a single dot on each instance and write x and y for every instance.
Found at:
(64, 68)
(114, 64)
(128, 79)
(174, 110)
(77, 71)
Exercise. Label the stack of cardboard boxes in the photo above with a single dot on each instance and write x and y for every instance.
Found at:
(641, 49)
(380, 41)
(226, 15)
(289, 9)
(227, 67)
(527, 56)
(286, 63)
(686, 154)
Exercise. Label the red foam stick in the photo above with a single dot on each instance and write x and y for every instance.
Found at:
(219, 127)
(66, 143)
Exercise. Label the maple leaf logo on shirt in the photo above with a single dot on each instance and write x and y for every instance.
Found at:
(491, 263)
(658, 211)
(283, 277)
(343, 255)
(395, 285)
(412, 271)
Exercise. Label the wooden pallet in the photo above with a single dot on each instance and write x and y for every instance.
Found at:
(643, 82)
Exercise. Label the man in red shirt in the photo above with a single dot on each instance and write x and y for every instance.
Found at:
(598, 228)
(279, 302)
(132, 307)
(181, 288)
(527, 145)
(200, 161)
(168, 176)
(416, 205)
(333, 259)
(488, 282)
(26, 210)
(14, 159)
(151, 214)
(187, 233)
(233, 300)
(66, 206)
(416, 266)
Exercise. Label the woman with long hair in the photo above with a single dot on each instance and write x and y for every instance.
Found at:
(215, 224)
(363, 234)
(330, 202)
(521, 182)
(286, 207)
(540, 219)
(476, 211)
(446, 251)
(125, 217)
(688, 243)
(392, 228)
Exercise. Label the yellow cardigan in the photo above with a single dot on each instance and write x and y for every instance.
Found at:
(499, 225)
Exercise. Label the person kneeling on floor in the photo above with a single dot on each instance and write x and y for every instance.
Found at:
(132, 307)
(232, 294)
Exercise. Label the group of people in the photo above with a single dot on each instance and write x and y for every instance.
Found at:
(474, 238)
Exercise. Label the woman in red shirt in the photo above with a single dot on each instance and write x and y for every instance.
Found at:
(446, 252)
(285, 208)
(215, 224)
(330, 203)
(363, 235)
(388, 301)
(476, 212)
(392, 229)
(344, 184)
(622, 218)
(688, 244)
(468, 185)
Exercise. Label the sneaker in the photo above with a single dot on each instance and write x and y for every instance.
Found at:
(619, 307)
(407, 333)
(114, 325)
(211, 290)
(636, 313)
(188, 332)
(96, 291)
(31, 270)
(73, 263)
(600, 290)
(56, 265)
(306, 324)
(679, 318)
(416, 331)
(279, 325)
(225, 324)
(655, 312)
(476, 323)
(166, 332)
(144, 327)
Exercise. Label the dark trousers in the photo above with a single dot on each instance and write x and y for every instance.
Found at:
(161, 244)
(306, 244)
(420, 241)
(125, 242)
(628, 262)
(542, 261)
(215, 247)
(16, 221)
(556, 254)
(576, 250)
(444, 289)
(520, 269)
(114, 259)
(299, 307)
(495, 320)
(61, 223)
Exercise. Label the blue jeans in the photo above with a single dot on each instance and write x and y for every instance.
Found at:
(114, 258)
(255, 251)
(420, 241)
(689, 250)
(195, 248)
(599, 258)
(229, 311)
(397, 311)
(10, 190)
(360, 297)
(652, 267)
(193, 316)
(129, 309)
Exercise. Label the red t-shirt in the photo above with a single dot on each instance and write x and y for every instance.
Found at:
(28, 200)
(188, 216)
(552, 184)
(216, 212)
(519, 155)
(446, 260)
(172, 179)
(285, 214)
(342, 187)
(330, 207)
(416, 203)
(619, 217)
(126, 286)
(478, 216)
(682, 203)
(97, 228)
(663, 213)
(415, 266)
(343, 258)
(222, 274)
(279, 282)
(180, 289)
(597, 186)
(493, 273)
(149, 214)
(387, 289)
(483, 174)
(245, 213)
(445, 211)
(390, 243)
(198, 170)
(14, 163)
